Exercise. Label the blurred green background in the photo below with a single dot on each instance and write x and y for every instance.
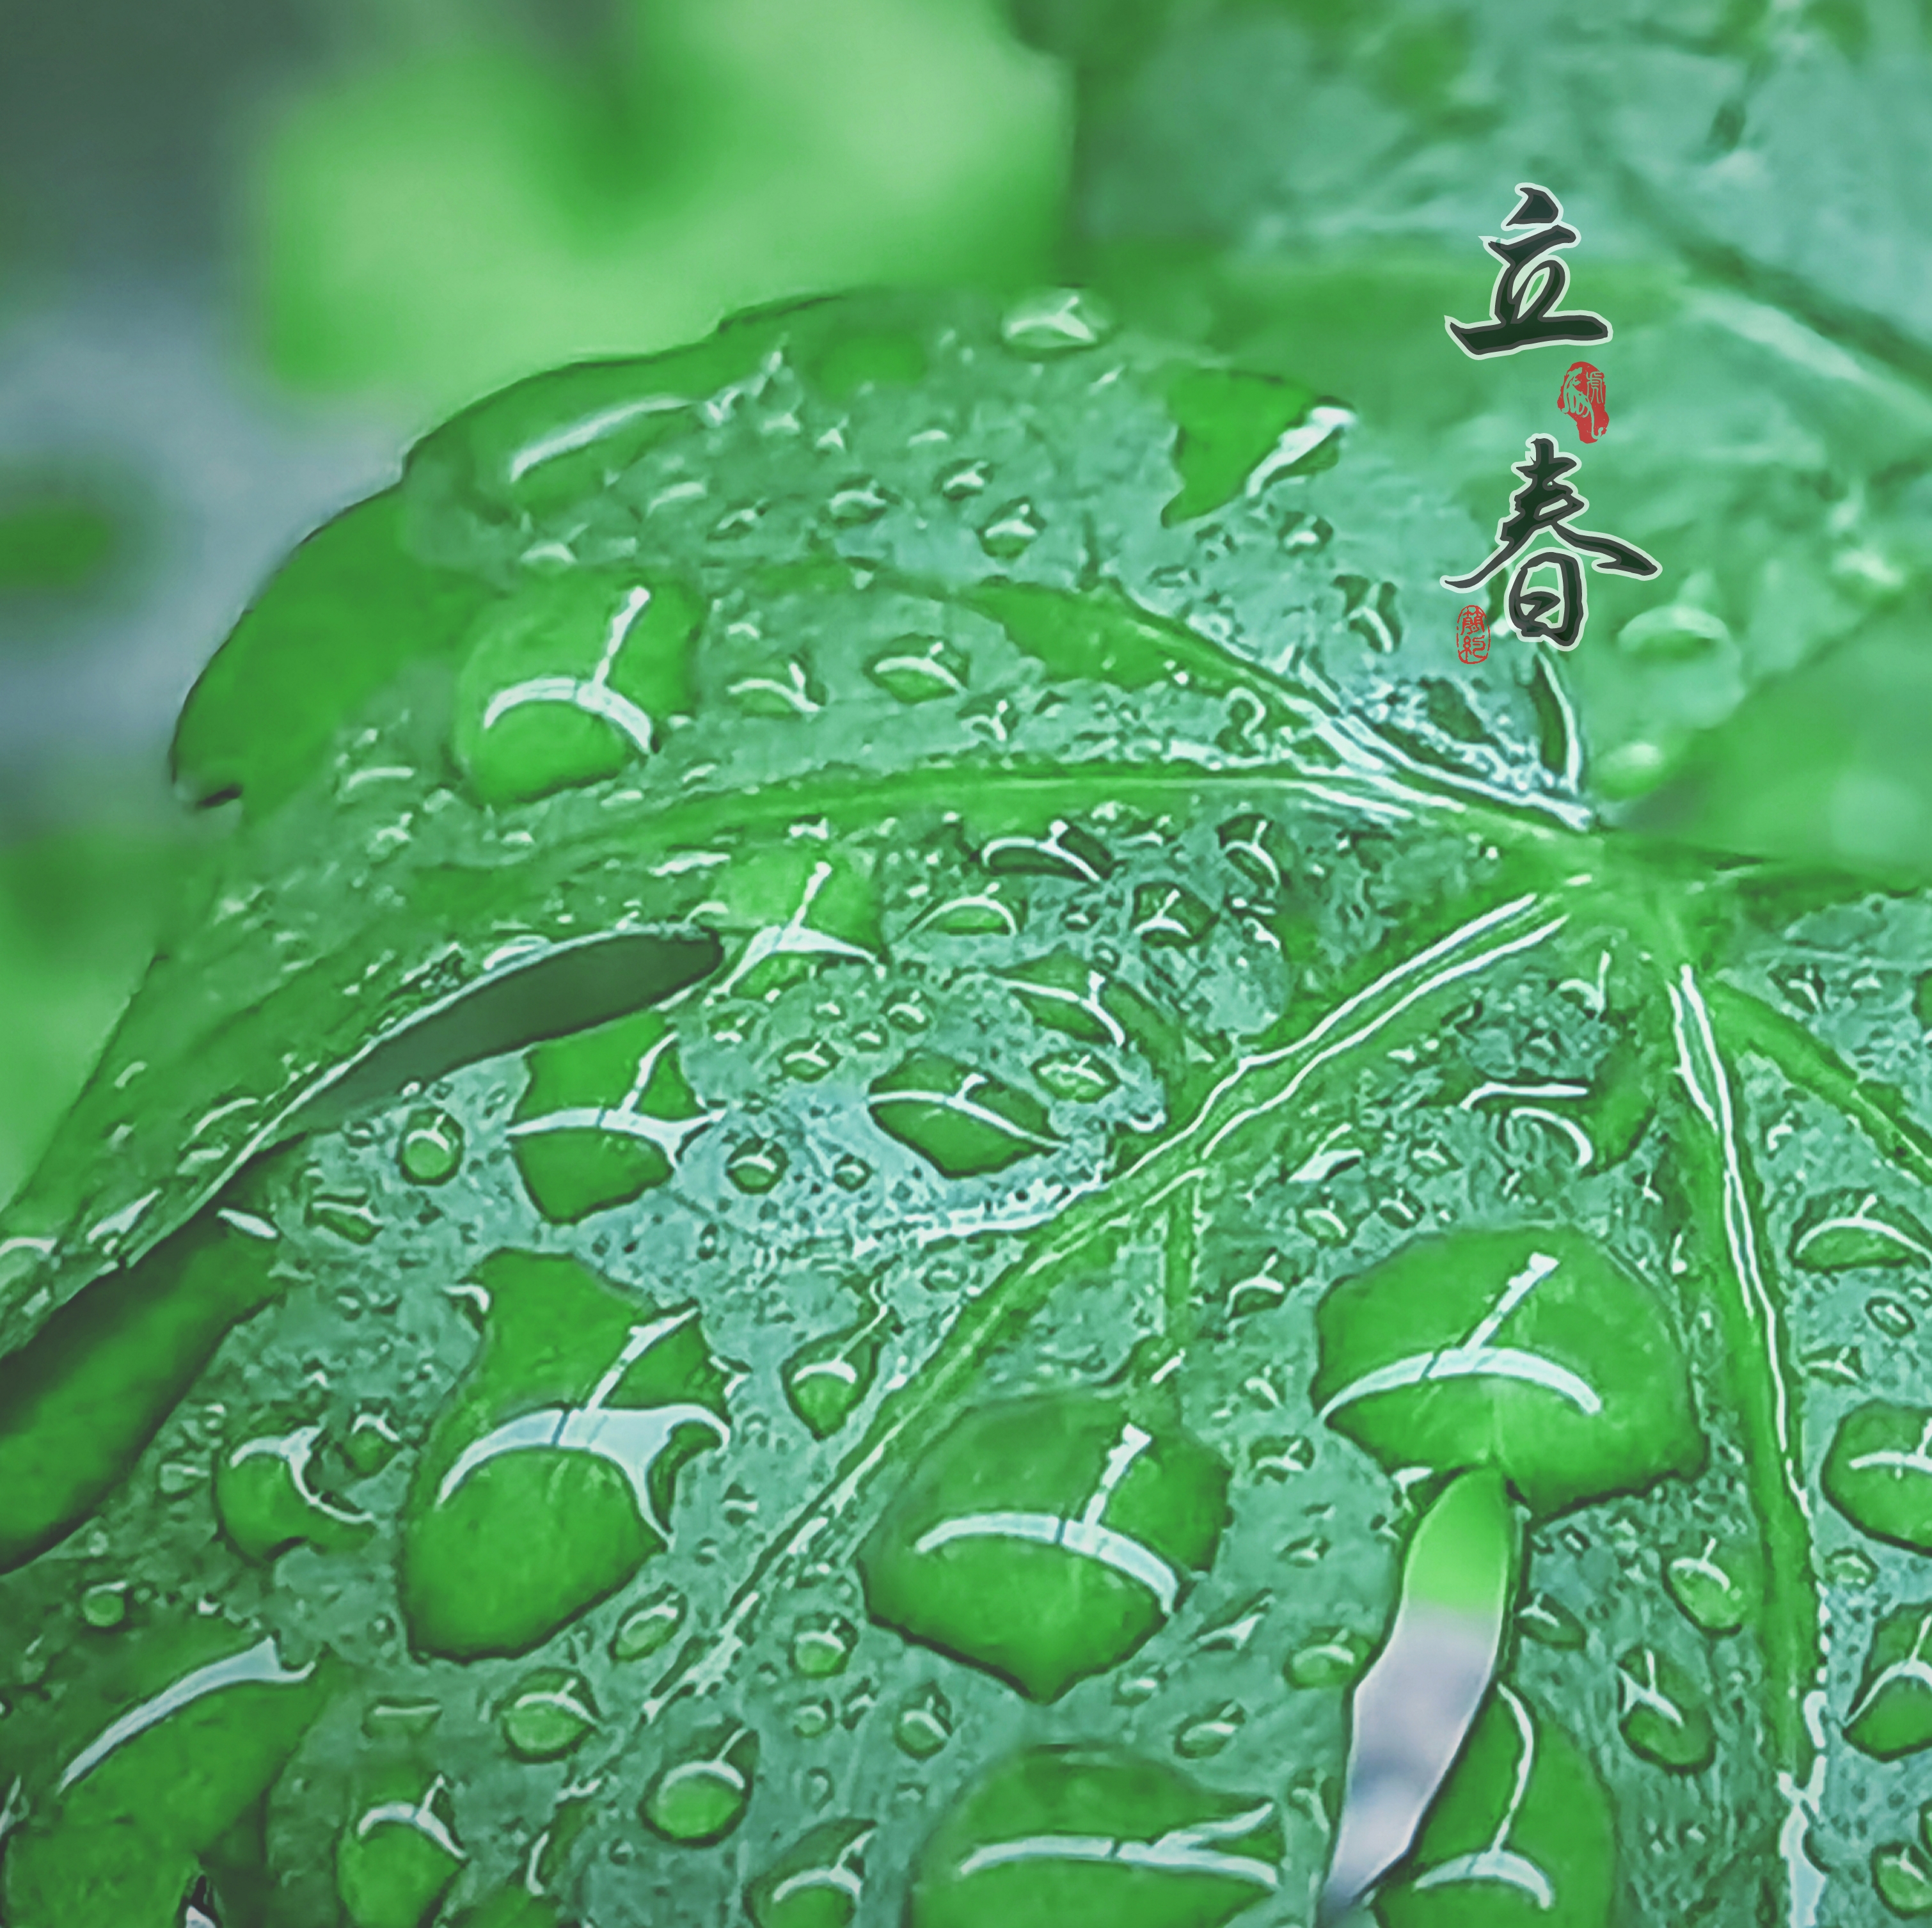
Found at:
(249, 252)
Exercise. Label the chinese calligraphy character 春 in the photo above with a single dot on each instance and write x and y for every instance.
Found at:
(1584, 399)
(1546, 501)
(1520, 319)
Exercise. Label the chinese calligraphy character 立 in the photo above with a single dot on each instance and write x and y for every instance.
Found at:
(1546, 501)
(1519, 319)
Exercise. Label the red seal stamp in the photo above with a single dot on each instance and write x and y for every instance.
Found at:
(1472, 633)
(1581, 398)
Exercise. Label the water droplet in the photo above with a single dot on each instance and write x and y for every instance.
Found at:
(925, 1724)
(1662, 1713)
(1045, 1539)
(405, 1720)
(648, 1625)
(105, 1606)
(858, 501)
(915, 669)
(1543, 1617)
(906, 1012)
(960, 479)
(1309, 1551)
(757, 1164)
(1207, 1734)
(1835, 1365)
(431, 1148)
(1012, 530)
(1053, 321)
(1903, 1878)
(549, 1713)
(1850, 1567)
(850, 1172)
(1709, 1581)
(966, 1122)
(1135, 1686)
(1850, 1229)
(370, 1442)
(1279, 1457)
(1101, 1796)
(1892, 1317)
(812, 1719)
(396, 1859)
(1078, 1076)
(1676, 633)
(347, 1215)
(809, 1060)
(1332, 1657)
(827, 1380)
(1231, 1632)
(1878, 1472)
(821, 1645)
(1891, 1714)
(1169, 916)
(817, 1884)
(699, 1797)
(266, 1501)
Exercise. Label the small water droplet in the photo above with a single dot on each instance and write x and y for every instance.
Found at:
(1135, 1686)
(370, 1442)
(1053, 321)
(959, 481)
(549, 1714)
(858, 501)
(925, 1724)
(1281, 1458)
(431, 1148)
(821, 1646)
(1012, 530)
(850, 1172)
(1661, 1713)
(908, 1013)
(648, 1625)
(809, 1060)
(1708, 1582)
(1081, 1077)
(105, 1606)
(1331, 1657)
(347, 1215)
(812, 1719)
(404, 1719)
(917, 669)
(1545, 1618)
(757, 1165)
(1207, 1734)
(1892, 1317)
(1851, 1567)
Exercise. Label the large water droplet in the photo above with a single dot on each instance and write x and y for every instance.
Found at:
(1891, 1714)
(1045, 1539)
(266, 1502)
(1850, 1229)
(816, 1884)
(1089, 1834)
(827, 1380)
(105, 1605)
(966, 1122)
(1878, 1472)
(397, 1858)
(1902, 1877)
(757, 1165)
(1712, 1583)
(701, 1795)
(1663, 1714)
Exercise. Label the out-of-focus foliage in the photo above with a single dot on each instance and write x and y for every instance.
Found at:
(480, 206)
(1310, 187)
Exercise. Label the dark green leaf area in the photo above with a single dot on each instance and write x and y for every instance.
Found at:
(966, 1123)
(1045, 1539)
(606, 1115)
(1532, 1352)
(1891, 1713)
(572, 681)
(1663, 1713)
(193, 1730)
(342, 615)
(1521, 1832)
(1063, 1834)
(79, 1403)
(817, 1882)
(397, 1857)
(550, 1474)
(1878, 1472)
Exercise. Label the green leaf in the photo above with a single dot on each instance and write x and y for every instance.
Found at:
(943, 1232)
